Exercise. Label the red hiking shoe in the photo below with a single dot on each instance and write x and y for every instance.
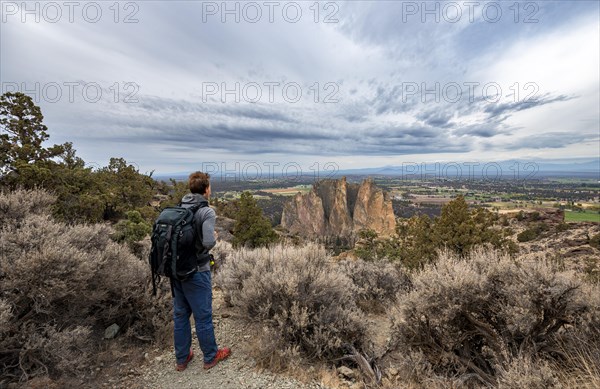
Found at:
(183, 366)
(222, 354)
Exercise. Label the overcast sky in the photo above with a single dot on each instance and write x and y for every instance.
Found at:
(170, 85)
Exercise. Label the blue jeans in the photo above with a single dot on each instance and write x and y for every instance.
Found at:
(193, 296)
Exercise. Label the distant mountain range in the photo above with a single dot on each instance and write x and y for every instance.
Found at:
(505, 169)
(509, 169)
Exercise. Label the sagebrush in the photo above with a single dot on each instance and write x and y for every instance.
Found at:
(305, 301)
(62, 285)
(375, 284)
(476, 317)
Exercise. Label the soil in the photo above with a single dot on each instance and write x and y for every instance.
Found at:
(237, 372)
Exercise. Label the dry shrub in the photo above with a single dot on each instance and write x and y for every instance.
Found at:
(232, 272)
(412, 370)
(5, 313)
(270, 351)
(580, 367)
(18, 204)
(141, 248)
(523, 372)
(588, 323)
(376, 283)
(221, 252)
(471, 317)
(303, 298)
(61, 286)
(56, 349)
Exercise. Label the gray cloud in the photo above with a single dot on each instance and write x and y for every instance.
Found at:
(482, 130)
(506, 108)
(253, 129)
(437, 118)
(553, 140)
(369, 54)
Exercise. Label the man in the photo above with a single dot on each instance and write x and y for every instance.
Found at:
(195, 294)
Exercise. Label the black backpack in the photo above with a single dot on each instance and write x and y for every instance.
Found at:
(173, 252)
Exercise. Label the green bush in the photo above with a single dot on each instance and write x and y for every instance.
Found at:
(366, 248)
(251, 228)
(23, 157)
(133, 229)
(173, 191)
(83, 194)
(533, 232)
(527, 235)
(229, 208)
(418, 238)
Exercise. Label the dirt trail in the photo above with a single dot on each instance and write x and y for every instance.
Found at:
(237, 372)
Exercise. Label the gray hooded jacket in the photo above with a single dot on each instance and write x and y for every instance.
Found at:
(204, 222)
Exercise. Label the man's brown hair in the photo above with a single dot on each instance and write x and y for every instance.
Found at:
(198, 182)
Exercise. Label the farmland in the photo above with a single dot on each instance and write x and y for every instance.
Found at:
(583, 216)
(578, 197)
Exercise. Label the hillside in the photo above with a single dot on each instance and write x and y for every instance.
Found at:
(298, 317)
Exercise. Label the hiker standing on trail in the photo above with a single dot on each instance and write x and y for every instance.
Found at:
(194, 295)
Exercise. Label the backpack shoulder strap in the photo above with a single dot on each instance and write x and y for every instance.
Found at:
(194, 208)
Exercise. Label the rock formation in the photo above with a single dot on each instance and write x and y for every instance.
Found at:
(373, 210)
(334, 207)
(304, 215)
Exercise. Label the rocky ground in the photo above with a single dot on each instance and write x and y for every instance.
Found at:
(568, 244)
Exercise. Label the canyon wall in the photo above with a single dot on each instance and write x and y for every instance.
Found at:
(335, 207)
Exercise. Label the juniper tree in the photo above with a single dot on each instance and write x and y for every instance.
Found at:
(23, 158)
(251, 227)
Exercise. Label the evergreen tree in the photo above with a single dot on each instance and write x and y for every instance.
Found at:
(124, 188)
(251, 228)
(366, 248)
(83, 194)
(133, 229)
(24, 160)
(456, 228)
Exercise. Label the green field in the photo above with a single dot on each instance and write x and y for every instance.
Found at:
(587, 216)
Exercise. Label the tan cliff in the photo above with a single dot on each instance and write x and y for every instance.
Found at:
(304, 214)
(373, 209)
(335, 207)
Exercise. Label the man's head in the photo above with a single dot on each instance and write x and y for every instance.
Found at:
(198, 182)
